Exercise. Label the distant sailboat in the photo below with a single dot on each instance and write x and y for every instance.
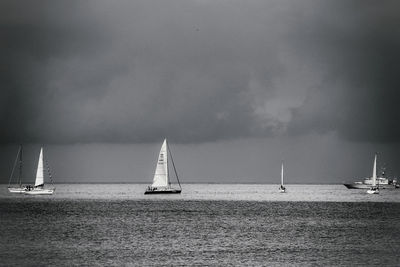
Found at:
(161, 183)
(19, 189)
(38, 188)
(282, 188)
(374, 189)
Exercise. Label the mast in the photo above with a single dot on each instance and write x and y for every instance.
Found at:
(282, 174)
(20, 167)
(173, 164)
(15, 164)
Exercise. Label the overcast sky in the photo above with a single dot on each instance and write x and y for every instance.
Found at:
(236, 86)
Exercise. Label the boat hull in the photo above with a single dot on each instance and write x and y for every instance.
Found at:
(373, 191)
(40, 192)
(366, 186)
(16, 190)
(166, 191)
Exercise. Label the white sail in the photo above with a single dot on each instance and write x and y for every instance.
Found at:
(161, 174)
(39, 173)
(374, 173)
(282, 175)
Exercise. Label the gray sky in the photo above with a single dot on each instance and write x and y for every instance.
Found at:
(235, 85)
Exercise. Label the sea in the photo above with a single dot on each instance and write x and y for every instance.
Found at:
(206, 225)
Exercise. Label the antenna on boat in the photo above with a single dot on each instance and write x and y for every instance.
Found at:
(173, 164)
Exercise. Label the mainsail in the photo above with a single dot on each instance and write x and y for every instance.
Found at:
(161, 175)
(282, 175)
(374, 173)
(39, 173)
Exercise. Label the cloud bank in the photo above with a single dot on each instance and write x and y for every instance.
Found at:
(198, 71)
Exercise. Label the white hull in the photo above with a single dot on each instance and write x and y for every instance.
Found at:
(17, 190)
(373, 191)
(40, 192)
(366, 186)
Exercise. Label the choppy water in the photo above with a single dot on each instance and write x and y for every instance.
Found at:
(116, 225)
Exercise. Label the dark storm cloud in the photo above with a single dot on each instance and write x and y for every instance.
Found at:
(355, 45)
(32, 36)
(134, 71)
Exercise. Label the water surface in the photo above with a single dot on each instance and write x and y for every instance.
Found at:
(116, 225)
(247, 192)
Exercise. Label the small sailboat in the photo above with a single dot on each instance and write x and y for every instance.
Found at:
(161, 183)
(38, 188)
(19, 189)
(374, 189)
(282, 188)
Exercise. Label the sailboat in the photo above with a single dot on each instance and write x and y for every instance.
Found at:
(38, 188)
(161, 183)
(374, 189)
(282, 188)
(20, 189)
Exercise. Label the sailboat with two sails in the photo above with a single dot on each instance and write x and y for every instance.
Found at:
(39, 187)
(161, 182)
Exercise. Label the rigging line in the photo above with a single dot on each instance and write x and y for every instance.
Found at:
(173, 164)
(15, 163)
(49, 173)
